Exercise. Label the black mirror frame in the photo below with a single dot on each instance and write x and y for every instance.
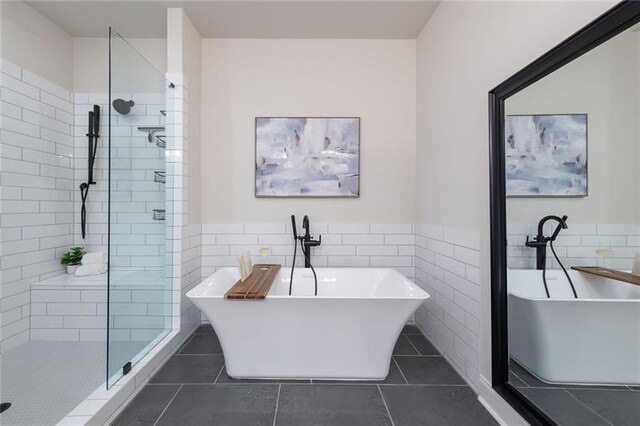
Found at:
(621, 17)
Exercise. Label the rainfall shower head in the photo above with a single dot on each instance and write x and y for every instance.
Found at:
(123, 107)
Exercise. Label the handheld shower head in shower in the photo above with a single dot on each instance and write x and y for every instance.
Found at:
(122, 107)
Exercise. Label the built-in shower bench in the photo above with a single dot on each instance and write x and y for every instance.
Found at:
(71, 281)
(70, 308)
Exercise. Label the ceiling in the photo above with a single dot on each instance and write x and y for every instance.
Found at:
(360, 19)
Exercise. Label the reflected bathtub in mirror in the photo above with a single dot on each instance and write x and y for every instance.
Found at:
(592, 340)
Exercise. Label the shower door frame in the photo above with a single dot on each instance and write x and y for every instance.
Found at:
(170, 223)
(616, 20)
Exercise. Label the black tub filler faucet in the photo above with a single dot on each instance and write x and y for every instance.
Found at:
(306, 242)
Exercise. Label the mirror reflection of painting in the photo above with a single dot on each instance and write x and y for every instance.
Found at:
(307, 157)
(546, 155)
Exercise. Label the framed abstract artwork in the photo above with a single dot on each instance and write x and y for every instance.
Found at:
(546, 155)
(307, 157)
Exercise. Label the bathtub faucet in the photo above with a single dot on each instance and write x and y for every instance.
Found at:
(540, 241)
(308, 242)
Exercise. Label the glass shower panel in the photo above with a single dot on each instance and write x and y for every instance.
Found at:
(139, 286)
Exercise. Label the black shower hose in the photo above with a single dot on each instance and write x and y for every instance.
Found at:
(544, 280)
(544, 273)
(293, 265)
(575, 295)
(315, 277)
(84, 191)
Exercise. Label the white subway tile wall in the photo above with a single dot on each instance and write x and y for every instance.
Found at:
(142, 249)
(448, 268)
(343, 245)
(36, 172)
(137, 241)
(191, 273)
(576, 245)
(75, 308)
(42, 167)
(184, 240)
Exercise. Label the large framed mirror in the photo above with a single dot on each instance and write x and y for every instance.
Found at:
(565, 228)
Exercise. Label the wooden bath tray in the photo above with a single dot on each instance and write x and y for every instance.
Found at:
(609, 273)
(256, 286)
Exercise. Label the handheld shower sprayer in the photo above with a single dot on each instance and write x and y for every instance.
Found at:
(561, 225)
(295, 250)
(293, 226)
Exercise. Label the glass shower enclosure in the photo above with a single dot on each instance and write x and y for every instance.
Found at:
(139, 281)
(64, 334)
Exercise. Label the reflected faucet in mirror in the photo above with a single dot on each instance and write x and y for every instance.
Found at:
(540, 244)
(540, 241)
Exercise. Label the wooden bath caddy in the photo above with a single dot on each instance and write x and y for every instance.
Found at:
(256, 286)
(609, 273)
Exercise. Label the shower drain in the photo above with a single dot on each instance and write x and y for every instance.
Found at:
(4, 406)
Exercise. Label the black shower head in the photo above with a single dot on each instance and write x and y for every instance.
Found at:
(123, 107)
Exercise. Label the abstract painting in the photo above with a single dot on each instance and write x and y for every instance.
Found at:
(307, 157)
(546, 155)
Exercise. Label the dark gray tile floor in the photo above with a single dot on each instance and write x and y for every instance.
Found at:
(571, 405)
(193, 388)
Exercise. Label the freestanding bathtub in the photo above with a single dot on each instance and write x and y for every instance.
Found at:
(594, 339)
(347, 332)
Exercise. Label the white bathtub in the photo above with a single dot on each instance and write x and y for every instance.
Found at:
(592, 340)
(346, 332)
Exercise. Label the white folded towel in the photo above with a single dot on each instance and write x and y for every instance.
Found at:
(95, 257)
(91, 269)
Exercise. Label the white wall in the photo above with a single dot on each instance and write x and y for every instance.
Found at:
(137, 241)
(465, 50)
(604, 85)
(36, 210)
(373, 79)
(91, 61)
(447, 267)
(577, 245)
(39, 63)
(33, 42)
(185, 56)
(359, 245)
(36, 122)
